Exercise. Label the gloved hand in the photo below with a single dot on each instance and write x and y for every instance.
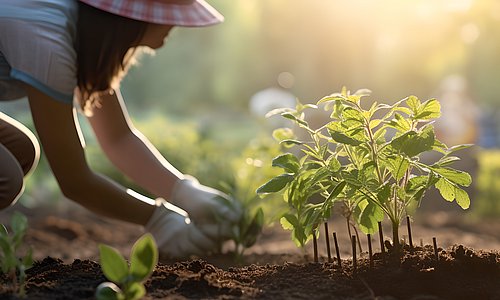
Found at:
(176, 236)
(214, 212)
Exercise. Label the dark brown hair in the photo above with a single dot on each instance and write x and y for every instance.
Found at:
(105, 47)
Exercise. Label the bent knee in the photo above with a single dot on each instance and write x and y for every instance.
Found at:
(11, 178)
(27, 153)
(11, 188)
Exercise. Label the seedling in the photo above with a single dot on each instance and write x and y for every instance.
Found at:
(11, 262)
(368, 159)
(249, 227)
(126, 282)
(249, 173)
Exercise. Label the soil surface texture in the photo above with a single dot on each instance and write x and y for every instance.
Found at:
(467, 265)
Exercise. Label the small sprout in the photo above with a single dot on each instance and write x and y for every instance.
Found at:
(11, 262)
(126, 282)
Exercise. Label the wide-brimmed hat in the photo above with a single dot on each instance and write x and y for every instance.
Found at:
(188, 13)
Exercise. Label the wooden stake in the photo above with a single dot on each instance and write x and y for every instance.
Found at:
(421, 243)
(337, 250)
(354, 260)
(434, 242)
(370, 253)
(327, 237)
(409, 232)
(315, 245)
(381, 237)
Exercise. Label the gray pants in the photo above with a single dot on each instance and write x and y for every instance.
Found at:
(19, 154)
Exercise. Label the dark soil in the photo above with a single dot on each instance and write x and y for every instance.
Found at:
(65, 244)
(460, 273)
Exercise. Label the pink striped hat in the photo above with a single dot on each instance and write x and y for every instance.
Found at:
(187, 13)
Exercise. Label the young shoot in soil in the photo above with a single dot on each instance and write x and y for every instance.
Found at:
(250, 170)
(126, 282)
(12, 263)
(369, 159)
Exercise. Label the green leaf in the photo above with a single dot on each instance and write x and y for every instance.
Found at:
(108, 291)
(413, 143)
(27, 260)
(135, 291)
(458, 148)
(113, 264)
(462, 198)
(369, 217)
(291, 142)
(296, 119)
(283, 134)
(339, 137)
(333, 164)
(289, 162)
(19, 223)
(446, 160)
(254, 229)
(144, 257)
(413, 103)
(400, 123)
(374, 123)
(398, 167)
(455, 176)
(351, 177)
(290, 222)
(446, 189)
(336, 191)
(3, 230)
(430, 109)
(276, 184)
(285, 223)
(384, 193)
(5, 245)
(279, 111)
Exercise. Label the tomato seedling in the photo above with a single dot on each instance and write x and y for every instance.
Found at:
(126, 282)
(12, 263)
(369, 159)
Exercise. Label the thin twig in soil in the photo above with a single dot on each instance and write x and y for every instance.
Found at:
(337, 250)
(381, 237)
(327, 237)
(370, 253)
(354, 260)
(434, 243)
(315, 246)
(409, 232)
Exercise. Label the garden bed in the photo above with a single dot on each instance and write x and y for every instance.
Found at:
(65, 248)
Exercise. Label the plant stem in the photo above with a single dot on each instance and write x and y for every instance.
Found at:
(395, 234)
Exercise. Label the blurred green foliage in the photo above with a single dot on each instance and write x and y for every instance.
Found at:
(487, 203)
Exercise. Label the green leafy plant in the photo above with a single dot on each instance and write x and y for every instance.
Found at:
(126, 282)
(12, 263)
(367, 158)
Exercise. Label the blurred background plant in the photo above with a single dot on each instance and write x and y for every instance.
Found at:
(196, 98)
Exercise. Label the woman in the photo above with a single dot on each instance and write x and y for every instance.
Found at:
(61, 52)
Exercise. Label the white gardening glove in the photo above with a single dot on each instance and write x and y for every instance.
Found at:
(175, 234)
(214, 212)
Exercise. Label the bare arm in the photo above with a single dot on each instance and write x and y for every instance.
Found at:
(60, 138)
(129, 150)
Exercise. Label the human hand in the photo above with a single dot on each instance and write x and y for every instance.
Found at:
(214, 212)
(175, 234)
